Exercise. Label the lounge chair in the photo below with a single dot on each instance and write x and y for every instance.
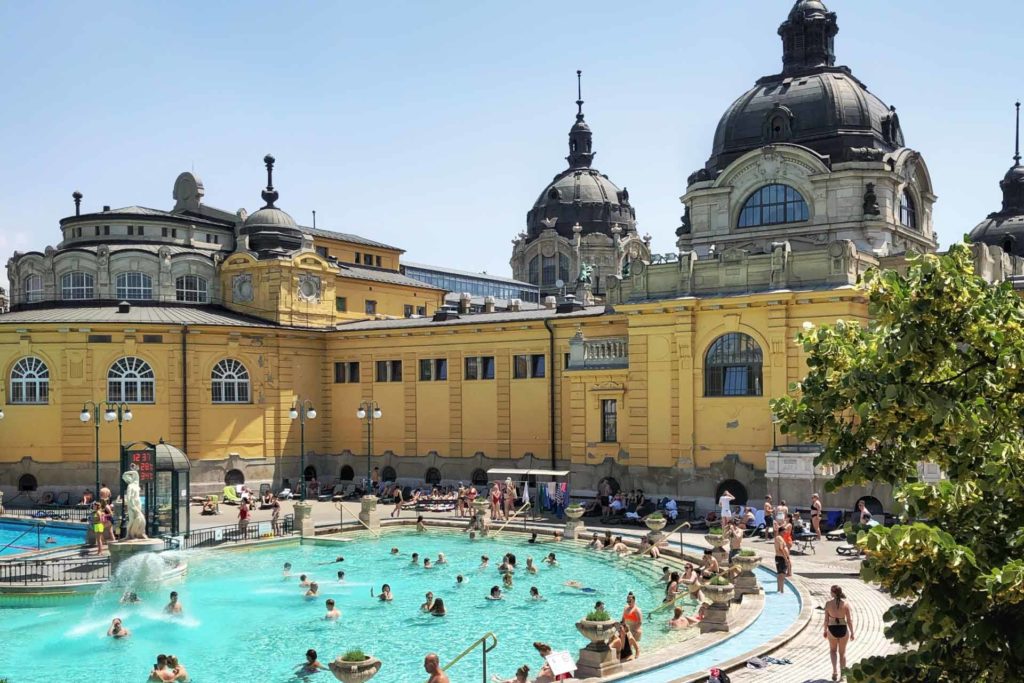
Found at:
(758, 527)
(231, 496)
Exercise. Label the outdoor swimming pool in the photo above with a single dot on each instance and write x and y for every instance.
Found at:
(24, 536)
(242, 621)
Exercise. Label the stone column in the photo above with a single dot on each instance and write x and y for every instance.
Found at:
(368, 512)
(304, 518)
(482, 507)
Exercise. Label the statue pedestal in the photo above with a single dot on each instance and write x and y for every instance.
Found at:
(304, 518)
(574, 528)
(122, 550)
(722, 555)
(597, 661)
(716, 618)
(368, 514)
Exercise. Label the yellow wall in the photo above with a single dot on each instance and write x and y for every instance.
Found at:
(346, 251)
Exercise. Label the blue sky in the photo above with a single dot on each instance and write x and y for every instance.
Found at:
(433, 126)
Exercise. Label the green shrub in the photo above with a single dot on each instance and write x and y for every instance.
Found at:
(655, 515)
(354, 656)
(599, 615)
(720, 581)
(715, 531)
(747, 553)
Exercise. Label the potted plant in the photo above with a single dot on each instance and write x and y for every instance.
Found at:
(481, 505)
(574, 511)
(714, 537)
(719, 590)
(355, 667)
(747, 560)
(655, 521)
(598, 627)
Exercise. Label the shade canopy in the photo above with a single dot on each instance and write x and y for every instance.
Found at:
(529, 473)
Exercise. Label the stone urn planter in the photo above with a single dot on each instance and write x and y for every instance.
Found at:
(481, 505)
(715, 540)
(355, 671)
(655, 523)
(599, 633)
(718, 595)
(746, 583)
(746, 563)
(574, 512)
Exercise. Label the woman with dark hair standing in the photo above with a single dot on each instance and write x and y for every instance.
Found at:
(838, 629)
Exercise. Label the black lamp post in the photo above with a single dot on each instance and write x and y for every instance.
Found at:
(114, 411)
(122, 413)
(369, 411)
(302, 410)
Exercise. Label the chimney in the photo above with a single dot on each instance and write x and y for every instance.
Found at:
(77, 196)
(124, 307)
(464, 301)
(446, 313)
(106, 207)
(515, 305)
(569, 304)
(488, 304)
(550, 302)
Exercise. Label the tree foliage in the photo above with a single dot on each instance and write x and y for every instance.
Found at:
(937, 376)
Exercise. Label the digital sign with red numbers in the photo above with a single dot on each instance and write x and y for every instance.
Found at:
(143, 461)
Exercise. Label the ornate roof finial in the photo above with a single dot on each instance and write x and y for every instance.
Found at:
(579, 95)
(270, 194)
(1016, 149)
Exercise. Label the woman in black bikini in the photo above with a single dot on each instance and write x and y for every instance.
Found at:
(838, 629)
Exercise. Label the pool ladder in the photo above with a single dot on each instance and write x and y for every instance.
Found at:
(484, 649)
(37, 527)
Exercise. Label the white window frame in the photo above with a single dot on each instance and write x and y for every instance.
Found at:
(32, 294)
(134, 286)
(191, 289)
(230, 382)
(30, 382)
(131, 380)
(77, 285)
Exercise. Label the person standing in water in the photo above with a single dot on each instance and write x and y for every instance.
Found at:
(173, 607)
(332, 612)
(838, 629)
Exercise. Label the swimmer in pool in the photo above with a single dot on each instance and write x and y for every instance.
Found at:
(117, 629)
(506, 579)
(535, 593)
(550, 560)
(341, 577)
(531, 568)
(460, 581)
(287, 570)
(495, 594)
(385, 593)
(426, 563)
(334, 561)
(579, 586)
(332, 612)
(311, 665)
(312, 592)
(483, 562)
(173, 607)
(394, 551)
(415, 558)
(303, 581)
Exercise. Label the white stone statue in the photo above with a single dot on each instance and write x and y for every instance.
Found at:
(133, 501)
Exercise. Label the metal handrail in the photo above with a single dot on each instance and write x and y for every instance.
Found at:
(37, 526)
(512, 518)
(484, 649)
(341, 508)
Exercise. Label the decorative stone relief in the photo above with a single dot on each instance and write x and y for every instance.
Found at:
(309, 288)
(241, 288)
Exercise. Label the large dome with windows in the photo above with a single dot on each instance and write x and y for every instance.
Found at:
(812, 102)
(580, 194)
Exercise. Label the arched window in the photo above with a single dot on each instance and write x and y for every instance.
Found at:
(388, 474)
(738, 490)
(347, 473)
(563, 267)
(309, 474)
(74, 286)
(433, 476)
(191, 289)
(773, 205)
(27, 482)
(134, 286)
(30, 381)
(908, 211)
(534, 276)
(32, 288)
(732, 366)
(548, 271)
(230, 382)
(131, 380)
(234, 478)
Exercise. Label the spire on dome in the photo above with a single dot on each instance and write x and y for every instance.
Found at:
(1012, 183)
(580, 137)
(270, 195)
(1016, 148)
(808, 37)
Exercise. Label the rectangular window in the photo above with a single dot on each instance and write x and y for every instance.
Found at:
(426, 369)
(131, 229)
(174, 233)
(421, 310)
(371, 307)
(322, 251)
(487, 367)
(408, 311)
(358, 257)
(565, 362)
(106, 229)
(97, 230)
(520, 367)
(163, 232)
(142, 229)
(346, 373)
(537, 365)
(609, 417)
(341, 304)
(377, 258)
(209, 238)
(440, 369)
(472, 368)
(389, 371)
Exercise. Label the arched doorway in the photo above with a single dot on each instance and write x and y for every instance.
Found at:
(347, 473)
(388, 474)
(309, 474)
(433, 476)
(873, 505)
(613, 484)
(479, 477)
(234, 478)
(738, 490)
(27, 482)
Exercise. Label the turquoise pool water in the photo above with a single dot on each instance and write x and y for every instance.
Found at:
(21, 536)
(243, 621)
